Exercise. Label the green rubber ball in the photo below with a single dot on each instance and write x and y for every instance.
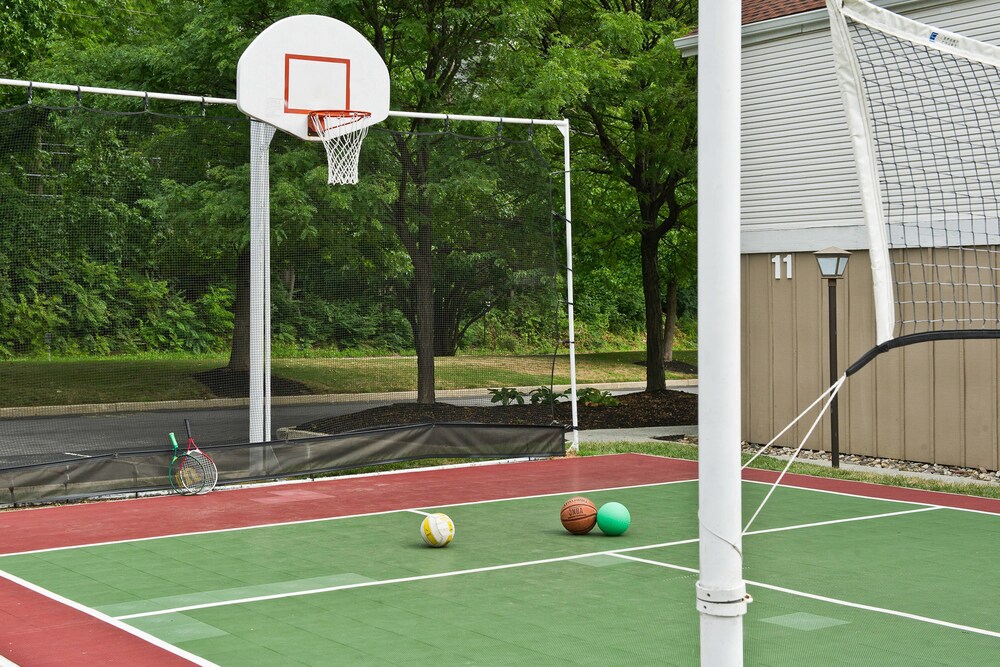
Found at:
(613, 518)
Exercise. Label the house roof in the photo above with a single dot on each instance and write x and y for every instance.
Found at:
(755, 11)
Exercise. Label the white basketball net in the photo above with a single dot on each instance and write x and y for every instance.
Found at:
(343, 144)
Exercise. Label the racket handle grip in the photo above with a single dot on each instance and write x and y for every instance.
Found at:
(173, 441)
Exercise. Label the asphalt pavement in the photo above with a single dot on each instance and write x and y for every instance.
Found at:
(23, 437)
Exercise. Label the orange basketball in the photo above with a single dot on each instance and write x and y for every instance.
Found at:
(578, 515)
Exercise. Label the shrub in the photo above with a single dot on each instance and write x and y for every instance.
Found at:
(546, 395)
(506, 396)
(591, 396)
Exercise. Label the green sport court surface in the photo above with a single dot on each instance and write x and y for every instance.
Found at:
(837, 579)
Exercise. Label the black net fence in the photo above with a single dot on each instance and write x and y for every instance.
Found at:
(415, 315)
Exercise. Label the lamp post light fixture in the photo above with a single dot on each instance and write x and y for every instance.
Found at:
(832, 262)
(832, 265)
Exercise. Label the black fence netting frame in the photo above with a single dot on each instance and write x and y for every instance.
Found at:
(84, 463)
(126, 473)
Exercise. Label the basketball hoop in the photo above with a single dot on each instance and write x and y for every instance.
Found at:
(341, 140)
(304, 75)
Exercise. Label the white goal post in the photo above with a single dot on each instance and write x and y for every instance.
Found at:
(721, 596)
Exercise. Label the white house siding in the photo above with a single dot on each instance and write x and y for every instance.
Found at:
(799, 189)
(799, 186)
(932, 402)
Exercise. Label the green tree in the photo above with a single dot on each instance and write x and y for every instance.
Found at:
(81, 238)
(610, 66)
(639, 120)
(192, 47)
(679, 269)
(434, 50)
(25, 26)
(439, 53)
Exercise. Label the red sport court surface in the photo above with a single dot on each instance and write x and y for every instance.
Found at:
(333, 572)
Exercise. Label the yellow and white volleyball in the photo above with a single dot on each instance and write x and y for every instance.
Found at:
(437, 530)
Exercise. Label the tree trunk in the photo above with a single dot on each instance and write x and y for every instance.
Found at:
(288, 280)
(239, 355)
(423, 333)
(669, 321)
(418, 299)
(656, 379)
(423, 283)
(445, 325)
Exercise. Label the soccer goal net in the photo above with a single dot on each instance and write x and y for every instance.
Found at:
(924, 115)
(411, 314)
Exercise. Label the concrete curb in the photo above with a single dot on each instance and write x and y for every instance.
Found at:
(649, 434)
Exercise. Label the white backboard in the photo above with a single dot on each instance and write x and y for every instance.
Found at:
(310, 63)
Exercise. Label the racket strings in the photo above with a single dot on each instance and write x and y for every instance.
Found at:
(193, 474)
(209, 471)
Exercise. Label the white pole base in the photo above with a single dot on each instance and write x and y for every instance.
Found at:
(728, 653)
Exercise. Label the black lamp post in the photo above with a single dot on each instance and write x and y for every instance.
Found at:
(832, 264)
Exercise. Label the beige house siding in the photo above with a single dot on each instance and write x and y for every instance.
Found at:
(934, 402)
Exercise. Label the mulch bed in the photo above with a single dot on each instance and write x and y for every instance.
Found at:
(642, 409)
(636, 410)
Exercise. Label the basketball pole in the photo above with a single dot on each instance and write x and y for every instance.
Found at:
(261, 135)
(721, 591)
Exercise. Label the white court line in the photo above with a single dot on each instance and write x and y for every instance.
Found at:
(669, 566)
(615, 552)
(399, 580)
(338, 518)
(618, 553)
(476, 502)
(886, 500)
(881, 610)
(104, 618)
(420, 512)
(490, 568)
(848, 520)
(836, 601)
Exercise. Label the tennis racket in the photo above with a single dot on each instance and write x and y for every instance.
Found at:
(188, 474)
(211, 471)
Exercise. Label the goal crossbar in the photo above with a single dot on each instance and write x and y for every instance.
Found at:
(204, 99)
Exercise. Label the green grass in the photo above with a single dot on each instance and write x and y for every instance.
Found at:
(381, 374)
(166, 377)
(70, 382)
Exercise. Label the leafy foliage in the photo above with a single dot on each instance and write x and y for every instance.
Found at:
(24, 27)
(146, 248)
(546, 395)
(506, 396)
(593, 396)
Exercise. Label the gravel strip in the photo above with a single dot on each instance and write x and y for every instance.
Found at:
(875, 464)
